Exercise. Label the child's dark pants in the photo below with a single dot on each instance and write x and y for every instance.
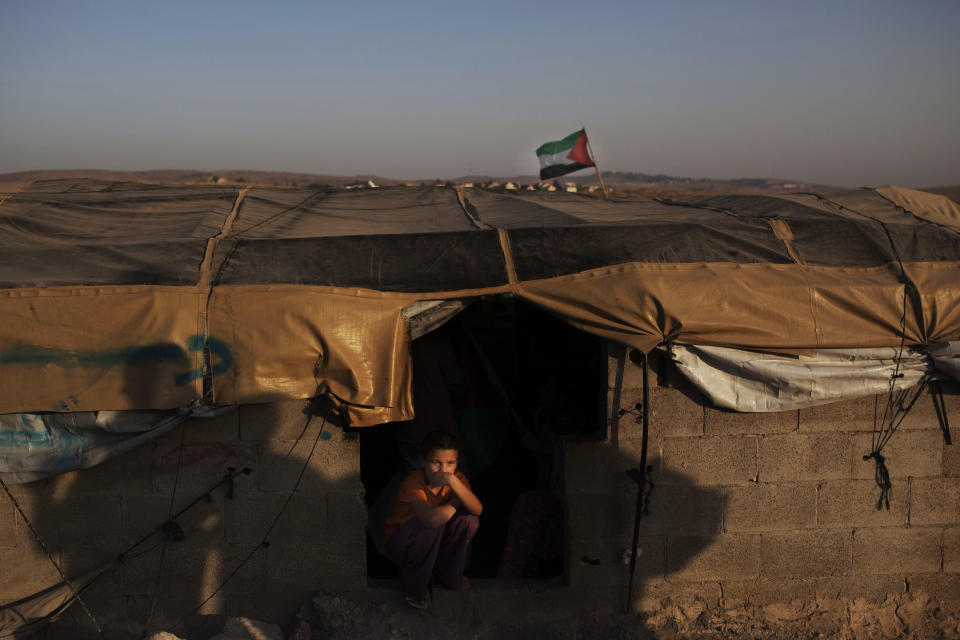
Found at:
(441, 552)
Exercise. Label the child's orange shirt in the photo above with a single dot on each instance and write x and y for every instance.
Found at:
(415, 486)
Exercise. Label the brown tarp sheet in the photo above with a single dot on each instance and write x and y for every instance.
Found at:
(132, 296)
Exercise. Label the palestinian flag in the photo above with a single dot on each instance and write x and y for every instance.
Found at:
(564, 156)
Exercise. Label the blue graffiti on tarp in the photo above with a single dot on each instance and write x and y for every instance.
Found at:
(50, 442)
(30, 432)
(217, 348)
(162, 352)
(63, 406)
(138, 356)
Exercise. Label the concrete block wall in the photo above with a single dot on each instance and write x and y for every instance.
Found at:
(748, 510)
(88, 517)
(763, 508)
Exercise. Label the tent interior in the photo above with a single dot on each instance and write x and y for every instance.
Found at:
(513, 383)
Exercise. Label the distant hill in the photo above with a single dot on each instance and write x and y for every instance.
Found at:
(645, 182)
(191, 176)
(654, 185)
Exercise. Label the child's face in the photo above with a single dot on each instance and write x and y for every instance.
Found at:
(439, 461)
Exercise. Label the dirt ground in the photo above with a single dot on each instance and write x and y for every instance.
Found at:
(332, 616)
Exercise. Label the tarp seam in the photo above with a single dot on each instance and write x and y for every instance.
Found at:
(207, 282)
(507, 257)
(213, 241)
(469, 210)
(781, 229)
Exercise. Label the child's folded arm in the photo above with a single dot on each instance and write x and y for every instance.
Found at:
(466, 497)
(432, 517)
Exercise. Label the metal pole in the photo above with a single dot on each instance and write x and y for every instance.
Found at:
(639, 476)
(606, 194)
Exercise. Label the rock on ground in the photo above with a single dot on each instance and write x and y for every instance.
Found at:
(248, 629)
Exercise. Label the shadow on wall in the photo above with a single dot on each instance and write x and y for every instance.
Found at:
(89, 517)
(681, 521)
(679, 524)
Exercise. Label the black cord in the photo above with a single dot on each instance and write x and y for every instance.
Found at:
(163, 539)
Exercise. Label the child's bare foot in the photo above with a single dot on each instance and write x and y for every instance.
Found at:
(416, 603)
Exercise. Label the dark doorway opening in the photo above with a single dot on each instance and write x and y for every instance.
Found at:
(513, 383)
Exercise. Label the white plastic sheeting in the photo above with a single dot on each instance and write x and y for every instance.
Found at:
(34, 446)
(25, 617)
(946, 358)
(425, 316)
(751, 381)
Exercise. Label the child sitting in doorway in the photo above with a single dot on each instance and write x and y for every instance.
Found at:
(434, 517)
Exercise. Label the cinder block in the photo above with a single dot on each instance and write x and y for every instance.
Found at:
(844, 416)
(279, 420)
(250, 577)
(80, 559)
(795, 456)
(951, 550)
(805, 554)
(249, 516)
(853, 503)
(25, 572)
(610, 571)
(201, 524)
(770, 507)
(907, 453)
(222, 428)
(8, 523)
(599, 467)
(680, 511)
(302, 521)
(923, 414)
(334, 466)
(39, 503)
(712, 461)
(762, 592)
(943, 587)
(346, 515)
(873, 589)
(129, 473)
(82, 521)
(935, 501)
(951, 453)
(191, 573)
(896, 551)
(195, 467)
(730, 556)
(673, 413)
(600, 516)
(718, 422)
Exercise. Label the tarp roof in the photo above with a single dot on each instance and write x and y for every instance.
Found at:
(137, 296)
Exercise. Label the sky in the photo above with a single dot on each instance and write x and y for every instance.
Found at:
(848, 93)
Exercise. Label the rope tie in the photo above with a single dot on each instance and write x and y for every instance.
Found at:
(649, 490)
(882, 477)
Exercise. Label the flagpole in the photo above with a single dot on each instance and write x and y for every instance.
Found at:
(606, 194)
